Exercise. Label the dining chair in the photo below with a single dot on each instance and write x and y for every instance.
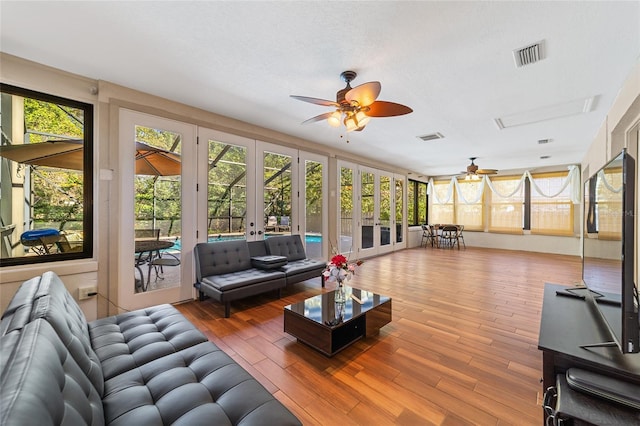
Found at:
(449, 236)
(460, 237)
(428, 235)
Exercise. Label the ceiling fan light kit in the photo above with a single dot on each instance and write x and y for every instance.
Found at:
(355, 106)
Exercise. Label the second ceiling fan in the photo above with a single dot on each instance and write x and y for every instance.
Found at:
(473, 171)
(354, 107)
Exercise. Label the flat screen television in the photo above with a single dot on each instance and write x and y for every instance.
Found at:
(608, 251)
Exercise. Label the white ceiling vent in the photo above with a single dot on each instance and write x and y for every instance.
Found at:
(529, 54)
(431, 136)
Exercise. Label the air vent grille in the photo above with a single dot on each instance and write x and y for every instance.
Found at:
(431, 136)
(529, 54)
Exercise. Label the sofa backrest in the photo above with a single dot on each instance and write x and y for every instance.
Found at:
(221, 257)
(41, 384)
(47, 298)
(257, 248)
(289, 246)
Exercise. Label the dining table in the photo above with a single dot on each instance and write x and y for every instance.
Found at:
(146, 251)
(438, 228)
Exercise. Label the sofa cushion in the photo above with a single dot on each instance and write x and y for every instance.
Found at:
(221, 258)
(200, 382)
(18, 312)
(225, 282)
(289, 246)
(304, 265)
(46, 297)
(132, 339)
(41, 383)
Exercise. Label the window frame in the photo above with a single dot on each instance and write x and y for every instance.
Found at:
(413, 202)
(87, 177)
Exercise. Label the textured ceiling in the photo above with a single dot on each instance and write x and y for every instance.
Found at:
(451, 62)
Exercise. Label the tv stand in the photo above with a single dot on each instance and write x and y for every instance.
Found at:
(567, 323)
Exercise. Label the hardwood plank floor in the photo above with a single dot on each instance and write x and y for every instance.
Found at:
(461, 348)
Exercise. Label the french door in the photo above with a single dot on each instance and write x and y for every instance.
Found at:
(377, 216)
(156, 236)
(255, 190)
(371, 211)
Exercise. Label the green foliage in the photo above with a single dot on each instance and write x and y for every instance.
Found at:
(57, 194)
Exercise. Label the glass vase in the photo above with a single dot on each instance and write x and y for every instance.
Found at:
(340, 296)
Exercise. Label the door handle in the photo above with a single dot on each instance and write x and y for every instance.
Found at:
(252, 233)
(259, 233)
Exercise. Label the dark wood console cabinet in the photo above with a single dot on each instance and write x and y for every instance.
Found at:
(566, 324)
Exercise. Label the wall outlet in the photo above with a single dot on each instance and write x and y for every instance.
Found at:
(87, 292)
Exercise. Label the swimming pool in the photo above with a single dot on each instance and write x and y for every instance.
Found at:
(308, 239)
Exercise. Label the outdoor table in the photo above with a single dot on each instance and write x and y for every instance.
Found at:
(152, 247)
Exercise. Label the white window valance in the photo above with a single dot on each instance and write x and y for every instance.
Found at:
(572, 180)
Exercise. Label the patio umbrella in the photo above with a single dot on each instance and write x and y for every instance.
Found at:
(64, 154)
(68, 154)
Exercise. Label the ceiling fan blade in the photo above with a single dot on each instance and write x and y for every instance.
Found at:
(486, 172)
(365, 94)
(316, 101)
(387, 109)
(318, 117)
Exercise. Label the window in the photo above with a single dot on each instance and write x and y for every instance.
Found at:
(417, 200)
(442, 209)
(46, 172)
(469, 205)
(551, 214)
(506, 204)
(609, 204)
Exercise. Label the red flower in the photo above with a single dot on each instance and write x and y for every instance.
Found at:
(339, 261)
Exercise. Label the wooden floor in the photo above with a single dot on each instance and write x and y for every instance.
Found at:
(461, 349)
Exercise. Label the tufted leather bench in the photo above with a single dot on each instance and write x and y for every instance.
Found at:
(150, 366)
(234, 269)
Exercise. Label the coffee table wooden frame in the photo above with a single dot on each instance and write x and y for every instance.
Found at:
(309, 320)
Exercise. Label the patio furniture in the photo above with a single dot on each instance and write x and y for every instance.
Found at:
(284, 224)
(41, 241)
(272, 224)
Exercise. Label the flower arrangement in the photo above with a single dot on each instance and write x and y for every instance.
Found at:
(339, 269)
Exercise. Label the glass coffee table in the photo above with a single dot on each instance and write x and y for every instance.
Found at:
(329, 326)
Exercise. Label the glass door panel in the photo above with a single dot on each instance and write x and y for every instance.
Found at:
(157, 208)
(385, 217)
(367, 210)
(346, 219)
(277, 193)
(399, 207)
(278, 208)
(155, 249)
(226, 191)
(314, 177)
(226, 210)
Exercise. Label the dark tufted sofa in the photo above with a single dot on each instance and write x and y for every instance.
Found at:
(234, 269)
(147, 367)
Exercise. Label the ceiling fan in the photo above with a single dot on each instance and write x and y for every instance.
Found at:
(354, 107)
(473, 172)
